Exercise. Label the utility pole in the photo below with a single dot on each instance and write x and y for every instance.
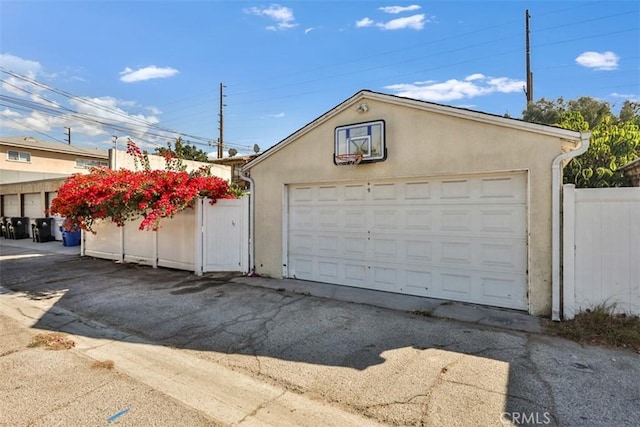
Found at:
(221, 139)
(68, 133)
(529, 89)
(115, 152)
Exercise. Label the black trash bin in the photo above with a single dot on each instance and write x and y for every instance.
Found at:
(18, 228)
(4, 231)
(42, 230)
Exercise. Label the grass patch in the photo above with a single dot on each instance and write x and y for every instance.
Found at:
(52, 341)
(103, 364)
(601, 326)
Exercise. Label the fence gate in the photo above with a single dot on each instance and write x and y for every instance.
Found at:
(225, 243)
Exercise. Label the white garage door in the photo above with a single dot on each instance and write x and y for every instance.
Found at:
(455, 238)
(33, 207)
(11, 205)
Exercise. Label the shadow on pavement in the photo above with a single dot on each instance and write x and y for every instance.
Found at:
(390, 354)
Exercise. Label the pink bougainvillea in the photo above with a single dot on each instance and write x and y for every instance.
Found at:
(124, 195)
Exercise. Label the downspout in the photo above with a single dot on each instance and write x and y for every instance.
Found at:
(252, 221)
(556, 188)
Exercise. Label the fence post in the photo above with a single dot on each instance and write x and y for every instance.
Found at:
(198, 247)
(121, 252)
(568, 251)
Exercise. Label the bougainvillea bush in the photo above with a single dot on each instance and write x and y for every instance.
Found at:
(126, 195)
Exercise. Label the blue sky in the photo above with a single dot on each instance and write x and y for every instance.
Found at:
(151, 70)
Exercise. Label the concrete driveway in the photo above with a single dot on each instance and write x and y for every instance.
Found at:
(347, 363)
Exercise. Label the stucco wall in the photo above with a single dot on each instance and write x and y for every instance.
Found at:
(419, 144)
(122, 160)
(43, 165)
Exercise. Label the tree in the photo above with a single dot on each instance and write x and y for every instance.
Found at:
(183, 151)
(612, 145)
(615, 141)
(630, 112)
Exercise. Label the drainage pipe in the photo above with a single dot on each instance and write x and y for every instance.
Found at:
(556, 189)
(252, 221)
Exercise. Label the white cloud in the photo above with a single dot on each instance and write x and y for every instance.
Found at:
(20, 65)
(146, 73)
(473, 77)
(627, 96)
(454, 89)
(276, 116)
(415, 22)
(282, 15)
(8, 113)
(364, 22)
(600, 61)
(399, 9)
(27, 68)
(154, 110)
(308, 30)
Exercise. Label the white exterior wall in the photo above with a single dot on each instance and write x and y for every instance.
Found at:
(420, 144)
(601, 249)
(122, 160)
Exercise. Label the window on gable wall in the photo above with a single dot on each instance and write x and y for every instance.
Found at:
(19, 156)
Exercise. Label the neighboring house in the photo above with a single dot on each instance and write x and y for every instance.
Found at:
(446, 203)
(32, 170)
(24, 159)
(632, 172)
(236, 163)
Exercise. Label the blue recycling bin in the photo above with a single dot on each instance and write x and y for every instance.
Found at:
(71, 238)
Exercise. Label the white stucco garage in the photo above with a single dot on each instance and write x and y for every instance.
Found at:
(445, 203)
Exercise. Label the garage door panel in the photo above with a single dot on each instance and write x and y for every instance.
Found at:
(303, 243)
(355, 274)
(384, 191)
(463, 239)
(457, 286)
(455, 189)
(11, 205)
(385, 218)
(420, 190)
(418, 219)
(504, 188)
(33, 207)
(328, 193)
(503, 220)
(503, 256)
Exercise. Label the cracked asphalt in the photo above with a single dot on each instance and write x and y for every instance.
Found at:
(385, 366)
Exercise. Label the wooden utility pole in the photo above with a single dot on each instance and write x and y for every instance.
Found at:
(221, 138)
(529, 89)
(68, 133)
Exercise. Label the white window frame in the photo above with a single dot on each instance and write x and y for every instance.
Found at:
(21, 156)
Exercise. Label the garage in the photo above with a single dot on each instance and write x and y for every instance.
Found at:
(33, 207)
(462, 238)
(404, 196)
(11, 205)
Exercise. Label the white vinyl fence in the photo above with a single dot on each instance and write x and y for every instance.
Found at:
(601, 249)
(206, 238)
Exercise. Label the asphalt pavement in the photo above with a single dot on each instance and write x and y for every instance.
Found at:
(224, 349)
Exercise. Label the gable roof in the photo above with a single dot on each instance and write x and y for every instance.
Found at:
(27, 142)
(572, 137)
